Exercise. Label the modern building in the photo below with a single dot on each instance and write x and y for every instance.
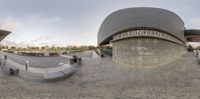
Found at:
(3, 34)
(192, 35)
(144, 36)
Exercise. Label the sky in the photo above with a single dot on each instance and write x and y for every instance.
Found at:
(75, 22)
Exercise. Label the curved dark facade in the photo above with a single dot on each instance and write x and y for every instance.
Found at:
(3, 34)
(143, 36)
(140, 18)
(192, 32)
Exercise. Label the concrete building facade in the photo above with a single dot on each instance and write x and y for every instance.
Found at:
(143, 36)
(146, 48)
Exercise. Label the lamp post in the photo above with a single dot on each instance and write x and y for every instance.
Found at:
(26, 65)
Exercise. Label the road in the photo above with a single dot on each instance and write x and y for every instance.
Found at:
(38, 62)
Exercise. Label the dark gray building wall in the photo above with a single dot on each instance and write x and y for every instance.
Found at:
(146, 51)
(189, 32)
(107, 51)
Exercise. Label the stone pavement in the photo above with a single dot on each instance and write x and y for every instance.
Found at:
(100, 78)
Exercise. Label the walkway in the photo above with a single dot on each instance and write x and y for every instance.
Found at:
(100, 78)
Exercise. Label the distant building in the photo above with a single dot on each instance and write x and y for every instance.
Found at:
(145, 36)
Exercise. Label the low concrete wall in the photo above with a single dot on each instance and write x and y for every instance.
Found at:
(39, 74)
(107, 51)
(146, 51)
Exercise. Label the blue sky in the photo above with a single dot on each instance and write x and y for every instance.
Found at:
(75, 22)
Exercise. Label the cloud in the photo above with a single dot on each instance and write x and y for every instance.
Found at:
(8, 42)
(53, 19)
(10, 24)
(42, 38)
(45, 19)
(22, 44)
(195, 23)
(87, 34)
(194, 44)
(39, 41)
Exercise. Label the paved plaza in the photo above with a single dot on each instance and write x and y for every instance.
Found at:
(40, 62)
(100, 78)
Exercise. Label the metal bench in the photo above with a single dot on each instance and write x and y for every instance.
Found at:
(75, 59)
(14, 71)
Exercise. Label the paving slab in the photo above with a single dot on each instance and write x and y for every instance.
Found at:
(100, 78)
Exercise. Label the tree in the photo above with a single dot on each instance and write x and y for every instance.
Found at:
(42, 47)
(190, 48)
(12, 48)
(91, 47)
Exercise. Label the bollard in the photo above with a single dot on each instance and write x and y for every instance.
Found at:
(75, 58)
(71, 61)
(101, 55)
(79, 60)
(4, 63)
(5, 57)
(26, 65)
